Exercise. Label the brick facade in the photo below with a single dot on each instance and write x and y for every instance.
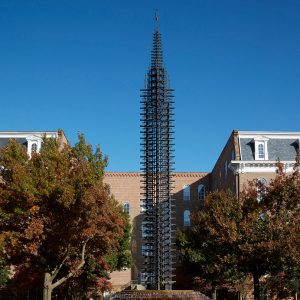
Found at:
(228, 173)
(125, 186)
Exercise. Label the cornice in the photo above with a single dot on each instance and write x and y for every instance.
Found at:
(253, 166)
(122, 174)
(139, 174)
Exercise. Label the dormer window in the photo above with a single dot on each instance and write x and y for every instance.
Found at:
(33, 144)
(261, 148)
(33, 148)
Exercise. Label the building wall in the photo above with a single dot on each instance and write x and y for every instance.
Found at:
(222, 177)
(125, 186)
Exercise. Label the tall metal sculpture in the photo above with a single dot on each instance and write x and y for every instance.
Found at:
(157, 160)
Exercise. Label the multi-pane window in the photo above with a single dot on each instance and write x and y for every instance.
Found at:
(147, 250)
(261, 148)
(126, 207)
(147, 230)
(261, 151)
(201, 192)
(186, 192)
(186, 218)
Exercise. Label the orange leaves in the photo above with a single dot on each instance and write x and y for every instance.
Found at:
(34, 229)
(34, 209)
(233, 237)
(55, 202)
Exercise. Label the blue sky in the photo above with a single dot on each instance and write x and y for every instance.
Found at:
(79, 66)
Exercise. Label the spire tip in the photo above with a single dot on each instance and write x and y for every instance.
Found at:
(156, 19)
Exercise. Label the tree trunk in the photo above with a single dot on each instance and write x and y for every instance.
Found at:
(49, 285)
(47, 291)
(256, 287)
(214, 294)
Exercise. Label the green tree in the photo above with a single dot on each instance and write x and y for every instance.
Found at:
(57, 213)
(232, 237)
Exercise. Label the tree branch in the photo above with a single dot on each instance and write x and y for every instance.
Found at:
(56, 270)
(70, 274)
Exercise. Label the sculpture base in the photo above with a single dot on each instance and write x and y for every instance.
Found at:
(159, 295)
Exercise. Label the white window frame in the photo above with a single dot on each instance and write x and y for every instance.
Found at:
(33, 140)
(201, 188)
(258, 142)
(186, 218)
(186, 192)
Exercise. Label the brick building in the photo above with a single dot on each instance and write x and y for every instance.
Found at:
(188, 193)
(251, 155)
(246, 155)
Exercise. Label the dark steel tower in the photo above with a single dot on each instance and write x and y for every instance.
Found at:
(157, 160)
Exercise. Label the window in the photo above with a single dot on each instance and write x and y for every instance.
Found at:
(186, 218)
(147, 230)
(232, 155)
(147, 277)
(201, 192)
(34, 148)
(261, 151)
(186, 192)
(261, 189)
(261, 148)
(225, 167)
(147, 250)
(143, 205)
(126, 207)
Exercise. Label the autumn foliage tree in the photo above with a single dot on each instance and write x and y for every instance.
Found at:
(57, 217)
(256, 234)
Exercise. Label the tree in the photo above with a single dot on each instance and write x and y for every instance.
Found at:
(232, 237)
(207, 247)
(56, 212)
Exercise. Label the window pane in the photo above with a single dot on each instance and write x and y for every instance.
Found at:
(147, 230)
(34, 148)
(261, 152)
(201, 192)
(126, 207)
(143, 205)
(186, 192)
(186, 218)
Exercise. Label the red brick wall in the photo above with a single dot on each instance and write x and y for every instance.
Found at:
(125, 186)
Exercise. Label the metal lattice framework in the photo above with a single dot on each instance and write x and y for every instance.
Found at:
(157, 160)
